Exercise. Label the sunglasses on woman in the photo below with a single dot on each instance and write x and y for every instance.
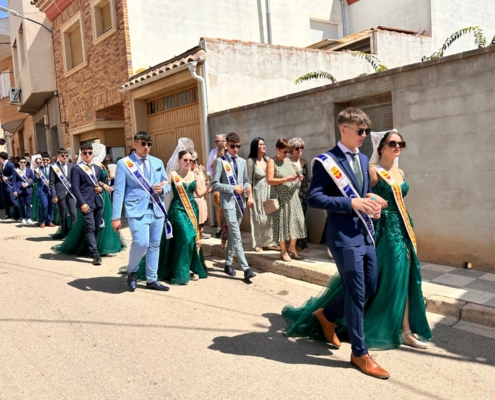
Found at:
(299, 148)
(393, 144)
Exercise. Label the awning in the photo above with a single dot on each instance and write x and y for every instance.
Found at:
(13, 126)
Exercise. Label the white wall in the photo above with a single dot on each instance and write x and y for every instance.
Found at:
(405, 14)
(161, 29)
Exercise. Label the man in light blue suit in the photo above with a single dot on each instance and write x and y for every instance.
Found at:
(145, 218)
(229, 203)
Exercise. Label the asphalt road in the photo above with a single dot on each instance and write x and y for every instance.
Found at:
(70, 330)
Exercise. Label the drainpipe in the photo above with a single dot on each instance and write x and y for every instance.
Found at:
(344, 23)
(192, 68)
(268, 22)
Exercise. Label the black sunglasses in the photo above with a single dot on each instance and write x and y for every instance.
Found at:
(64, 155)
(22, 162)
(86, 153)
(144, 144)
(233, 146)
(361, 131)
(38, 162)
(394, 144)
(46, 159)
(194, 161)
(299, 148)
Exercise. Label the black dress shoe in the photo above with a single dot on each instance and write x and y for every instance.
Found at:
(6, 217)
(132, 280)
(218, 234)
(229, 270)
(97, 260)
(248, 274)
(157, 286)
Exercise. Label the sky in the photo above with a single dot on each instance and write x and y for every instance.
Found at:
(3, 3)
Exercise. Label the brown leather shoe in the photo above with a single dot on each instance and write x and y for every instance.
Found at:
(51, 224)
(42, 225)
(328, 328)
(369, 366)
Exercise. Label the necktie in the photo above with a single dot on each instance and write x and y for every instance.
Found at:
(357, 169)
(146, 169)
(234, 160)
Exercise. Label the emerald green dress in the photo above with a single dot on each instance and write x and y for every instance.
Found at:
(109, 241)
(179, 255)
(399, 277)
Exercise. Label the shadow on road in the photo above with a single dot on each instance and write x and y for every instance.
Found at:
(272, 345)
(62, 257)
(105, 284)
(40, 239)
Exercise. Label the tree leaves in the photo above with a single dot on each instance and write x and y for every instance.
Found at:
(479, 40)
(316, 75)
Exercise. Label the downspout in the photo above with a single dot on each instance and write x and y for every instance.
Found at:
(268, 22)
(344, 23)
(192, 68)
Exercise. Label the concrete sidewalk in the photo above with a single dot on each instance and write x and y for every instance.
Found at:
(464, 294)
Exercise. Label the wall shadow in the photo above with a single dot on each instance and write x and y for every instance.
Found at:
(105, 284)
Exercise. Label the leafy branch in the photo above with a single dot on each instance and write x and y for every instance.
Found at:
(316, 75)
(479, 40)
(372, 59)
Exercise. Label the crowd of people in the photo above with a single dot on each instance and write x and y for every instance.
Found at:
(368, 230)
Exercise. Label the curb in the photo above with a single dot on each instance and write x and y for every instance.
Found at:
(459, 309)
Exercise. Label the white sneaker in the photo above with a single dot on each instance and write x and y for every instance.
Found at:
(205, 236)
(30, 222)
(23, 221)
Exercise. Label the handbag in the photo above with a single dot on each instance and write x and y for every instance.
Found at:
(270, 206)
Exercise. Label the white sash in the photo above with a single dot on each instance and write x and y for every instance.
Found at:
(43, 178)
(62, 178)
(345, 187)
(22, 176)
(89, 173)
(230, 176)
(143, 182)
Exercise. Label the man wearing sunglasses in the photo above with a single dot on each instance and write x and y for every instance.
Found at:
(60, 195)
(144, 215)
(8, 177)
(85, 180)
(23, 190)
(229, 203)
(348, 234)
(43, 192)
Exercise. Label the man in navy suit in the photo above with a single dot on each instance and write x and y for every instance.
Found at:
(43, 192)
(23, 190)
(60, 195)
(85, 178)
(347, 236)
(8, 176)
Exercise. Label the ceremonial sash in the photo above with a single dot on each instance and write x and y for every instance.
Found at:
(43, 178)
(89, 172)
(22, 176)
(346, 188)
(143, 182)
(231, 178)
(399, 200)
(187, 205)
(63, 179)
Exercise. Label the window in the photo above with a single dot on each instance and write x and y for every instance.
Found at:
(103, 19)
(73, 44)
(171, 101)
(5, 84)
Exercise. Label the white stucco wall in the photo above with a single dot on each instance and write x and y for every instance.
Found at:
(396, 49)
(161, 29)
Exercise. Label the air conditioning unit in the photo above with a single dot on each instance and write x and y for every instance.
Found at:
(15, 96)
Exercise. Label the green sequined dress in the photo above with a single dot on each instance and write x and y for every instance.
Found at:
(399, 277)
(179, 255)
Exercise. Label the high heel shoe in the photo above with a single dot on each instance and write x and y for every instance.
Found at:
(294, 255)
(409, 339)
(285, 257)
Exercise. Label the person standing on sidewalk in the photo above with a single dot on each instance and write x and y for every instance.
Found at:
(230, 178)
(141, 184)
(23, 190)
(8, 176)
(214, 154)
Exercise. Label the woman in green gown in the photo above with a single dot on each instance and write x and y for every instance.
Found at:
(181, 257)
(109, 241)
(396, 311)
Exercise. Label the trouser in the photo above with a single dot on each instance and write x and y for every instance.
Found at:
(358, 270)
(9, 200)
(46, 208)
(62, 209)
(25, 205)
(233, 217)
(92, 221)
(146, 232)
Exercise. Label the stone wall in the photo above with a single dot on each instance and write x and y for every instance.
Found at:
(445, 110)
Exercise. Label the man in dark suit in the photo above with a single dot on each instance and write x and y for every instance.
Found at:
(8, 176)
(347, 236)
(43, 192)
(85, 178)
(60, 195)
(23, 190)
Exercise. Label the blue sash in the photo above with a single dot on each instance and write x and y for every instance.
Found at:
(230, 176)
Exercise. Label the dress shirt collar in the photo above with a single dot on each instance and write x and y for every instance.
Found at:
(346, 150)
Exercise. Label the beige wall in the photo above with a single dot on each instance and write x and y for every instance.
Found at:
(445, 110)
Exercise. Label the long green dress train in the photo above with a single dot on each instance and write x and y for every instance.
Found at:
(109, 241)
(179, 254)
(399, 277)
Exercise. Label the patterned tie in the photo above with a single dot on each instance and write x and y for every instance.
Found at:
(357, 169)
(234, 160)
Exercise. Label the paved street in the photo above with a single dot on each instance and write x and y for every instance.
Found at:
(70, 330)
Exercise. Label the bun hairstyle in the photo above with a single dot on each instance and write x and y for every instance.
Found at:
(385, 139)
(182, 153)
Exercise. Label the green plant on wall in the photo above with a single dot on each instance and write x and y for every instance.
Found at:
(371, 58)
(479, 41)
